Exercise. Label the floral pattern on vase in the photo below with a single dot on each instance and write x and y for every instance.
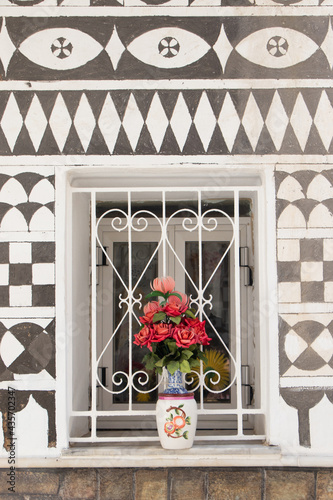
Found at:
(174, 425)
(176, 417)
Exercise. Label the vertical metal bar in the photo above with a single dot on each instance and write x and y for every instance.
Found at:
(164, 256)
(238, 318)
(130, 301)
(93, 315)
(200, 286)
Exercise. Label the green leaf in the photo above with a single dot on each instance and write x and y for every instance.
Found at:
(160, 362)
(172, 366)
(193, 362)
(172, 346)
(159, 316)
(185, 366)
(190, 314)
(177, 411)
(155, 293)
(188, 420)
(202, 356)
(185, 435)
(175, 319)
(149, 363)
(159, 370)
(180, 406)
(186, 354)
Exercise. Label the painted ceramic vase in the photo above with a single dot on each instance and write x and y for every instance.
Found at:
(176, 415)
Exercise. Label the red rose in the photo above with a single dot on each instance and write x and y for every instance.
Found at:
(193, 322)
(198, 328)
(149, 310)
(202, 338)
(175, 306)
(144, 337)
(171, 310)
(183, 336)
(161, 332)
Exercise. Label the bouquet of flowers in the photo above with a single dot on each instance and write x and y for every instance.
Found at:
(170, 330)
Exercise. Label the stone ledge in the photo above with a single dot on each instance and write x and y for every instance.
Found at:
(154, 456)
(141, 456)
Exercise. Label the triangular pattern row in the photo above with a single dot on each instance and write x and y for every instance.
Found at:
(148, 3)
(284, 121)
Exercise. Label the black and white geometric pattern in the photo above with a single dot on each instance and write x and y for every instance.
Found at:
(305, 265)
(118, 122)
(155, 81)
(306, 345)
(26, 202)
(27, 347)
(27, 274)
(135, 48)
(306, 269)
(161, 3)
(43, 399)
(303, 401)
(304, 198)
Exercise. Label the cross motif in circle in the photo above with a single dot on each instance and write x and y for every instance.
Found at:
(277, 46)
(168, 47)
(61, 48)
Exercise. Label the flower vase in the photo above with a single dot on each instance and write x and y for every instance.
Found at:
(176, 415)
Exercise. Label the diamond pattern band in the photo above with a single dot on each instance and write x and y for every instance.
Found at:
(284, 121)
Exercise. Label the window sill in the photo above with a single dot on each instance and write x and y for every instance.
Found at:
(155, 456)
(226, 455)
(134, 456)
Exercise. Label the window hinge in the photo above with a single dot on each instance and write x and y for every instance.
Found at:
(102, 378)
(101, 256)
(247, 389)
(244, 262)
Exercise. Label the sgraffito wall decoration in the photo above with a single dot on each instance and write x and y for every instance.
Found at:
(305, 274)
(163, 47)
(122, 122)
(27, 302)
(249, 78)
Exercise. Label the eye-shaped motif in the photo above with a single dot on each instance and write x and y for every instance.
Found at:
(168, 48)
(277, 47)
(26, 2)
(60, 48)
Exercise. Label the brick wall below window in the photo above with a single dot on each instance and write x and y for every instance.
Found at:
(170, 484)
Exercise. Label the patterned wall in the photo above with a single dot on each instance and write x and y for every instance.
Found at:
(166, 77)
(27, 293)
(305, 273)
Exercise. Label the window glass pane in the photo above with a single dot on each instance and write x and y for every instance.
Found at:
(218, 315)
(141, 253)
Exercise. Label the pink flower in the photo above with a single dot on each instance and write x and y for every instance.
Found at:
(149, 310)
(184, 336)
(163, 285)
(161, 332)
(144, 337)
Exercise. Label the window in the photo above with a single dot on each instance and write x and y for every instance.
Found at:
(205, 232)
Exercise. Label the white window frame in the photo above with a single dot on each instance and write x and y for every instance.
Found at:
(267, 279)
